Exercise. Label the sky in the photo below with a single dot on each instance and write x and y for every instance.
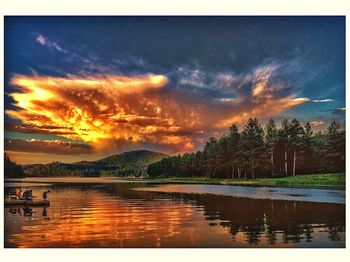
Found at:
(81, 88)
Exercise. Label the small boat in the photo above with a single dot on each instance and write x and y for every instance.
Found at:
(22, 202)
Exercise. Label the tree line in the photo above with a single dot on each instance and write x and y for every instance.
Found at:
(82, 169)
(261, 152)
(11, 169)
(127, 164)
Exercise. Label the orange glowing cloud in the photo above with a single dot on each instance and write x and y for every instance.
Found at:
(47, 146)
(267, 108)
(111, 111)
(316, 123)
(88, 107)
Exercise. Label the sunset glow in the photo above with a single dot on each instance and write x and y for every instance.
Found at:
(109, 109)
(168, 93)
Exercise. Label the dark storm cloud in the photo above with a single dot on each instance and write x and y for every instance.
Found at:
(47, 146)
(44, 129)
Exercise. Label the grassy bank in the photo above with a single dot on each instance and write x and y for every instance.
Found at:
(336, 181)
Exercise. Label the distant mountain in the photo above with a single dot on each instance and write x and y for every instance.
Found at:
(133, 163)
(140, 158)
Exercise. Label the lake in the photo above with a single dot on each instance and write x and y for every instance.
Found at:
(109, 212)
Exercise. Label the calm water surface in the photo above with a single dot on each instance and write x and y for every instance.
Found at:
(106, 214)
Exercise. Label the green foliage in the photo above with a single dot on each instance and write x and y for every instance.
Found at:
(335, 146)
(296, 133)
(253, 144)
(334, 180)
(271, 133)
(337, 179)
(252, 153)
(140, 158)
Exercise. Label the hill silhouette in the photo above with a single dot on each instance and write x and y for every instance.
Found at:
(132, 163)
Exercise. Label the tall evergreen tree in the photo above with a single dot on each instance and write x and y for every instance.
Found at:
(210, 154)
(253, 142)
(335, 149)
(318, 147)
(284, 137)
(270, 139)
(296, 133)
(233, 141)
(307, 159)
(223, 156)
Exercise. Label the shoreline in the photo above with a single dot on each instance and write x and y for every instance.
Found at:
(320, 181)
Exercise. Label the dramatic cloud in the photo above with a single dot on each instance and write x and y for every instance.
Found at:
(50, 44)
(268, 107)
(47, 146)
(226, 79)
(259, 79)
(40, 39)
(191, 77)
(322, 100)
(316, 123)
(113, 112)
(43, 129)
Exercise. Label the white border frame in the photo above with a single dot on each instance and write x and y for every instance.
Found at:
(163, 7)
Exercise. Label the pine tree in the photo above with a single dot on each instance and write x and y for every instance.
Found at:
(284, 137)
(210, 153)
(296, 132)
(335, 149)
(270, 140)
(253, 142)
(233, 141)
(306, 148)
(224, 155)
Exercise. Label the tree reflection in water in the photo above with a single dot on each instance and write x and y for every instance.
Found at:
(256, 218)
(296, 220)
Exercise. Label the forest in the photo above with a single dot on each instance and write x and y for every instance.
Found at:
(257, 152)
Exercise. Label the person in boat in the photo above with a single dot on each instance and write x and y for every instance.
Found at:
(45, 194)
(19, 194)
(28, 195)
